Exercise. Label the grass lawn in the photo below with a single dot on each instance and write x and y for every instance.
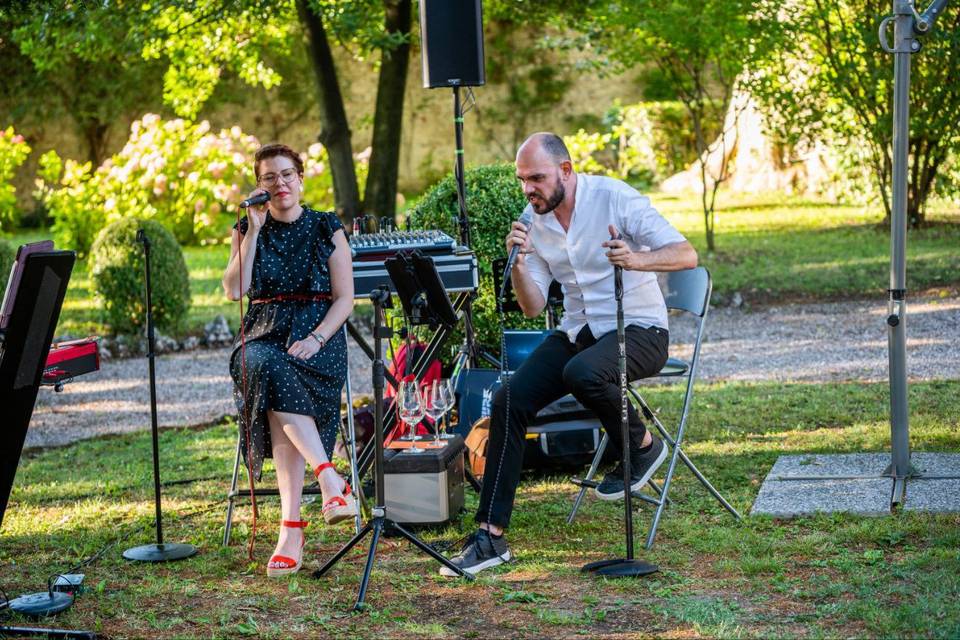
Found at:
(769, 248)
(826, 576)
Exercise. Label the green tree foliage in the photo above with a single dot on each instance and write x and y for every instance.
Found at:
(117, 272)
(495, 200)
(702, 48)
(203, 38)
(76, 60)
(831, 80)
(13, 151)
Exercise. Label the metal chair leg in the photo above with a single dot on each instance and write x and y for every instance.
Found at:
(228, 525)
(594, 465)
(352, 452)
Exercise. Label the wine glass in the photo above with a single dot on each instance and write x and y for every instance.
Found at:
(435, 407)
(411, 409)
(447, 400)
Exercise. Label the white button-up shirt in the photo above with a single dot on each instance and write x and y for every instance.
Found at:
(576, 259)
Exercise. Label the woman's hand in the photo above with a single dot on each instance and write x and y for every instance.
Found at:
(256, 216)
(304, 349)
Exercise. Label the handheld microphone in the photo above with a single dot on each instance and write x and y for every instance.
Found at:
(525, 219)
(255, 200)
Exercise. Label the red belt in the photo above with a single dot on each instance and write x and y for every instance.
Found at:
(294, 297)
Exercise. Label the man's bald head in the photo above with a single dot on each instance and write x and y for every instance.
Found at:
(550, 144)
(543, 166)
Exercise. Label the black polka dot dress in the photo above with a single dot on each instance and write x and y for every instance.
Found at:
(291, 258)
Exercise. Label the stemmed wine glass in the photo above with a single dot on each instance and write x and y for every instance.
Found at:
(411, 409)
(442, 391)
(435, 407)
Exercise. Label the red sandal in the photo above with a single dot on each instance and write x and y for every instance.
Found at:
(286, 566)
(337, 508)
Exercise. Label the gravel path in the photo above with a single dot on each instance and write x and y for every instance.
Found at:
(797, 342)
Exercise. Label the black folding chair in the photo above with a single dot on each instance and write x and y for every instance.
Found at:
(349, 438)
(687, 291)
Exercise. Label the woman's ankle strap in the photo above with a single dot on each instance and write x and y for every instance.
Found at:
(295, 524)
(321, 467)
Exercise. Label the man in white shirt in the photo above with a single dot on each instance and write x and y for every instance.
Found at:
(570, 241)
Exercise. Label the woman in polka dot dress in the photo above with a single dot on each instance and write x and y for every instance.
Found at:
(298, 274)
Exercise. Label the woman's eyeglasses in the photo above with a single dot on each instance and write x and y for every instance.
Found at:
(270, 179)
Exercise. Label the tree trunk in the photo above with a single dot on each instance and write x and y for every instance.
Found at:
(380, 196)
(95, 134)
(334, 128)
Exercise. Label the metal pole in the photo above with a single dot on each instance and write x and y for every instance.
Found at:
(904, 46)
(153, 390)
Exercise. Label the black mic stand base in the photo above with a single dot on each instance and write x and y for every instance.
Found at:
(620, 568)
(165, 552)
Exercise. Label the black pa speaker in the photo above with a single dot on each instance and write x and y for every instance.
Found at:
(451, 35)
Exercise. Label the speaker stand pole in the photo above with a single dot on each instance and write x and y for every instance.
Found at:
(469, 344)
(158, 552)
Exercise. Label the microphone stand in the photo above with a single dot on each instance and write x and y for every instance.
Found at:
(381, 300)
(158, 552)
(623, 567)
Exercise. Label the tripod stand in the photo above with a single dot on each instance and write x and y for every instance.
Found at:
(381, 300)
(623, 567)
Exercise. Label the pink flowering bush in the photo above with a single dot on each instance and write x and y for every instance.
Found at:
(175, 172)
(13, 152)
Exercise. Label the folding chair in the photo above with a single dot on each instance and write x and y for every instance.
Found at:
(687, 291)
(349, 439)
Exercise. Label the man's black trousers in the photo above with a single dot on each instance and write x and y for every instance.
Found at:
(588, 369)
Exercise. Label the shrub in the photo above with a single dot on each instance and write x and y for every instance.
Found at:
(494, 200)
(175, 172)
(13, 151)
(8, 253)
(644, 143)
(116, 269)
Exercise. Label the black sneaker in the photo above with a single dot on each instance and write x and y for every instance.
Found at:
(480, 552)
(642, 468)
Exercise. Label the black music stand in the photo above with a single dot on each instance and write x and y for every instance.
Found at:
(381, 300)
(32, 306)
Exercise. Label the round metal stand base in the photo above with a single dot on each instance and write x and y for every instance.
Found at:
(160, 552)
(38, 605)
(621, 568)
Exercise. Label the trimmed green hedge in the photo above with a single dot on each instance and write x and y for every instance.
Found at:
(116, 269)
(494, 200)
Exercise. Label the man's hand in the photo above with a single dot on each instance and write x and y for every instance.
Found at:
(518, 237)
(618, 253)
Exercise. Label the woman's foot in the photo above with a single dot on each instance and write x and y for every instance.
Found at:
(338, 501)
(288, 555)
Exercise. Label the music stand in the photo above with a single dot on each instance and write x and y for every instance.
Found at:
(381, 300)
(29, 322)
(421, 292)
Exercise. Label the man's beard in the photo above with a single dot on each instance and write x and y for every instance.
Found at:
(553, 201)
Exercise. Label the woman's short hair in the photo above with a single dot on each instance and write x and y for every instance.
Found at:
(272, 151)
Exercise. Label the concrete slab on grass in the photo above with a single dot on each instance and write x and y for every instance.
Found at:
(938, 488)
(795, 498)
(853, 483)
